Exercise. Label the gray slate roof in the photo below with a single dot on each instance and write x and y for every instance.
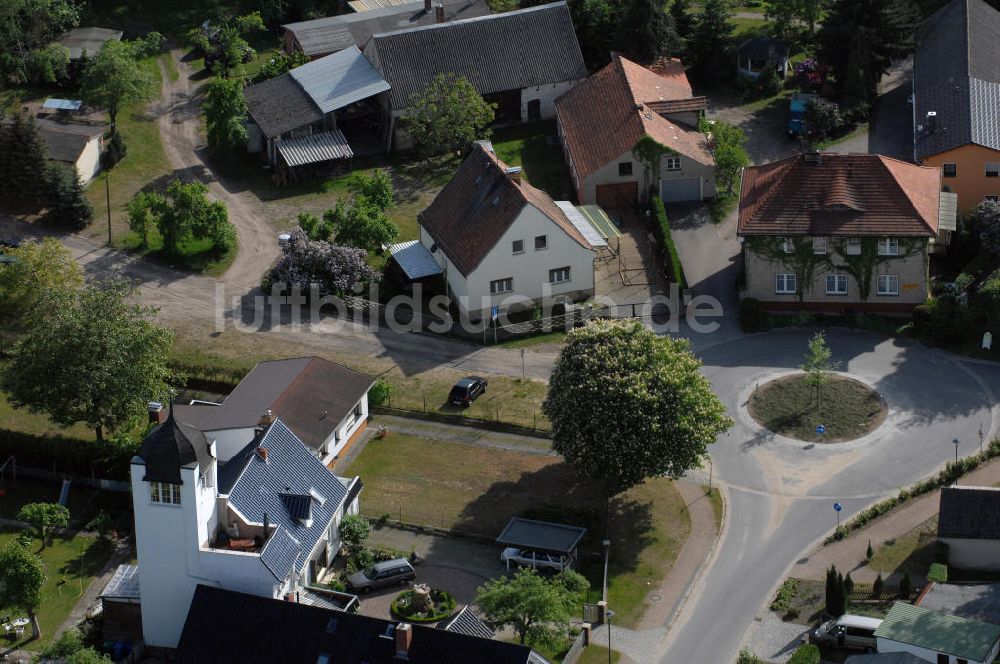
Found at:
(171, 446)
(969, 512)
(65, 141)
(339, 79)
(541, 535)
(885, 658)
(279, 105)
(89, 40)
(956, 74)
(334, 33)
(467, 622)
(256, 486)
(497, 53)
(979, 602)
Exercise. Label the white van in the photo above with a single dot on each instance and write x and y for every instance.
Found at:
(847, 631)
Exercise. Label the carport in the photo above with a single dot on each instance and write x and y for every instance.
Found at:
(529, 535)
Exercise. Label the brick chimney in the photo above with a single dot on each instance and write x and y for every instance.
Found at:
(267, 419)
(404, 637)
(262, 453)
(157, 412)
(439, 11)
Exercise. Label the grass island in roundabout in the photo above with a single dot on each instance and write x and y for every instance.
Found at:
(842, 409)
(423, 604)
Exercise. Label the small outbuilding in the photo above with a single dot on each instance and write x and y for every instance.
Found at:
(121, 612)
(76, 145)
(529, 537)
(755, 55)
(969, 523)
(937, 637)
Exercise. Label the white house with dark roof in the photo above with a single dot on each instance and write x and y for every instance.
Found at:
(263, 522)
(501, 242)
(521, 60)
(76, 145)
(969, 523)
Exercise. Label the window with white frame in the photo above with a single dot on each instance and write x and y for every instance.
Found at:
(784, 284)
(993, 169)
(836, 284)
(673, 163)
(163, 492)
(819, 245)
(852, 246)
(501, 286)
(558, 275)
(887, 284)
(888, 246)
(517, 247)
(788, 245)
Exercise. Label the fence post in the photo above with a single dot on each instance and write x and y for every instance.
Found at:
(425, 401)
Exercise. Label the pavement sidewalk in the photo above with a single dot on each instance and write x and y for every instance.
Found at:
(849, 553)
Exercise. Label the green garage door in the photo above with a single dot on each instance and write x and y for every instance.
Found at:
(684, 189)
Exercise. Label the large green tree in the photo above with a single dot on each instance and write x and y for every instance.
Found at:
(102, 358)
(710, 46)
(27, 27)
(224, 46)
(37, 269)
(626, 404)
(225, 114)
(536, 608)
(183, 211)
(646, 31)
(448, 115)
(596, 23)
(786, 15)
(44, 518)
(21, 577)
(859, 39)
(114, 79)
(730, 152)
(23, 166)
(680, 11)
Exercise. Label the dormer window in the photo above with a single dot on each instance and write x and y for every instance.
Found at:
(317, 496)
(888, 246)
(788, 245)
(819, 245)
(853, 246)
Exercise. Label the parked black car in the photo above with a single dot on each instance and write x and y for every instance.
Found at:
(467, 390)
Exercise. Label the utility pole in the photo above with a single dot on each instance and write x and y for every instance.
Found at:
(107, 196)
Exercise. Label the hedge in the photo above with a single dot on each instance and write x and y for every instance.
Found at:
(73, 456)
(806, 654)
(938, 573)
(666, 238)
(952, 472)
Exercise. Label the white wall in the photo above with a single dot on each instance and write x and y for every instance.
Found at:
(530, 269)
(973, 554)
(887, 645)
(457, 283)
(88, 165)
(231, 441)
(345, 429)
(547, 95)
(608, 174)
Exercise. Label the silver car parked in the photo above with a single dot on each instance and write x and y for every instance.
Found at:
(388, 573)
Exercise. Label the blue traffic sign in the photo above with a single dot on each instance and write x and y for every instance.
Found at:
(837, 507)
(495, 312)
(821, 429)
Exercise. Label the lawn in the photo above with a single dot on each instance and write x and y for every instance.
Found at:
(598, 655)
(535, 148)
(39, 424)
(913, 552)
(195, 255)
(787, 406)
(70, 566)
(84, 502)
(478, 489)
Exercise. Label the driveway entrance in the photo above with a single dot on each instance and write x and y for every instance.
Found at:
(682, 190)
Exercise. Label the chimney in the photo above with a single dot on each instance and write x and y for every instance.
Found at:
(812, 157)
(439, 11)
(427, 6)
(266, 526)
(514, 173)
(404, 637)
(262, 453)
(931, 122)
(157, 412)
(267, 419)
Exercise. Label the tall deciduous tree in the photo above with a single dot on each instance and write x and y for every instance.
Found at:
(596, 23)
(27, 26)
(859, 39)
(44, 518)
(786, 14)
(646, 31)
(710, 47)
(184, 211)
(114, 79)
(103, 359)
(225, 114)
(448, 115)
(37, 268)
(662, 411)
(21, 576)
(534, 607)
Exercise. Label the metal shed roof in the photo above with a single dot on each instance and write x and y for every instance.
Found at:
(62, 104)
(339, 79)
(315, 148)
(591, 221)
(939, 632)
(414, 259)
(541, 535)
(124, 584)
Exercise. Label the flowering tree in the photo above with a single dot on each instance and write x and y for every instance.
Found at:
(332, 268)
(811, 74)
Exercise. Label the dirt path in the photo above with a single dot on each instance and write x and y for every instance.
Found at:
(178, 120)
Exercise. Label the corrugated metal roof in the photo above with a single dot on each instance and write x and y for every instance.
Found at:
(582, 224)
(948, 211)
(124, 584)
(498, 53)
(315, 148)
(414, 259)
(938, 632)
(63, 104)
(339, 79)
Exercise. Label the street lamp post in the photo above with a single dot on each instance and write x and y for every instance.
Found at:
(980, 439)
(609, 614)
(956, 441)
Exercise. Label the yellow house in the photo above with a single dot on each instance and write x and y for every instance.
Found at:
(956, 104)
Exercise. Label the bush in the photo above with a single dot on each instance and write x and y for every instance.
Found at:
(785, 595)
(115, 151)
(752, 315)
(806, 654)
(906, 587)
(354, 531)
(379, 394)
(444, 606)
(938, 573)
(336, 585)
(380, 553)
(747, 657)
(674, 268)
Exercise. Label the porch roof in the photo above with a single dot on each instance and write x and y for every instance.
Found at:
(314, 148)
(414, 259)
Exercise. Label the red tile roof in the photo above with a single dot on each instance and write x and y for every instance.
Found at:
(477, 206)
(606, 115)
(839, 194)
